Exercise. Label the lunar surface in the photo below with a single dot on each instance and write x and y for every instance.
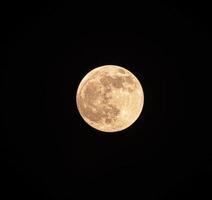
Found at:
(110, 98)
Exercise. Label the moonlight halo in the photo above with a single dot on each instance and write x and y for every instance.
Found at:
(110, 98)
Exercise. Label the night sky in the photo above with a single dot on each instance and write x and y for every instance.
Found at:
(51, 152)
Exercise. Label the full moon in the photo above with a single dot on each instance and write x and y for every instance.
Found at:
(110, 98)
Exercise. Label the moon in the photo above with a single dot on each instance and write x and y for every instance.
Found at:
(110, 98)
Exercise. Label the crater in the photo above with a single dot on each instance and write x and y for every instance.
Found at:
(108, 121)
(121, 71)
(129, 80)
(118, 82)
(106, 80)
(130, 90)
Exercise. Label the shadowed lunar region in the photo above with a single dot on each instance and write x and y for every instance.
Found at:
(110, 98)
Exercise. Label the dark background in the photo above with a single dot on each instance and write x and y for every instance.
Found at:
(51, 152)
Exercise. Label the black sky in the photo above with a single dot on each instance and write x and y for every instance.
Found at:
(51, 152)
